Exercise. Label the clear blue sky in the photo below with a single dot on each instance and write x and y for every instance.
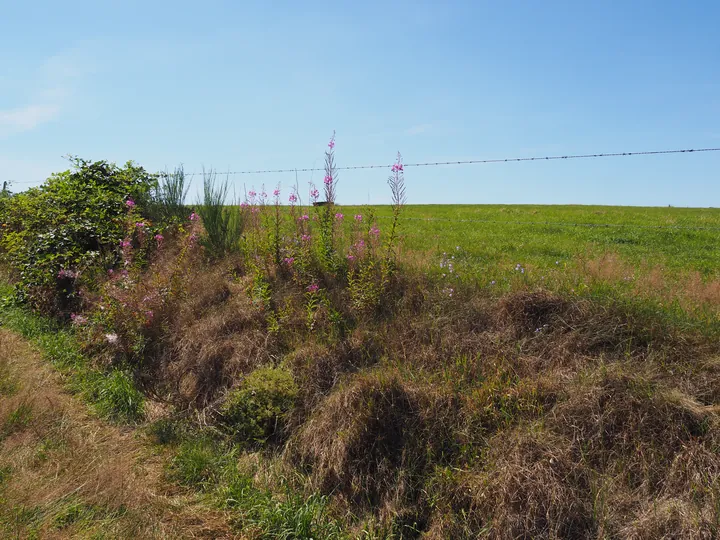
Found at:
(254, 85)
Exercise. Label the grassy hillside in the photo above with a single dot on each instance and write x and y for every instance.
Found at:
(491, 236)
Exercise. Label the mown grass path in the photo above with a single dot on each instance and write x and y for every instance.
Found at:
(64, 473)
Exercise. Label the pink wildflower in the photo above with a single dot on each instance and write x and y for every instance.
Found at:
(304, 217)
(140, 224)
(305, 237)
(339, 216)
(130, 203)
(358, 217)
(159, 237)
(125, 243)
(313, 288)
(276, 193)
(194, 217)
(314, 194)
(328, 180)
(375, 231)
(351, 257)
(289, 260)
(66, 274)
(252, 194)
(78, 319)
(292, 198)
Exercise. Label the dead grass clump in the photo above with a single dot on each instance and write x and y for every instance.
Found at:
(527, 312)
(209, 353)
(318, 369)
(562, 328)
(672, 518)
(626, 425)
(441, 329)
(534, 486)
(372, 440)
(695, 471)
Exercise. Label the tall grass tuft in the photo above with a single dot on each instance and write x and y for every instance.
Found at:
(223, 225)
(168, 197)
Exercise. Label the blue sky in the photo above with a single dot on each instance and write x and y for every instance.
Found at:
(255, 85)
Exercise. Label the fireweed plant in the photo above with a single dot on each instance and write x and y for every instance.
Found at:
(326, 212)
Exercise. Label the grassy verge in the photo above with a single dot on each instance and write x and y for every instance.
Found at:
(112, 394)
(204, 462)
(263, 502)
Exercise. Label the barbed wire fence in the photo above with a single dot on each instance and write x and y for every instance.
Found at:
(9, 183)
(459, 162)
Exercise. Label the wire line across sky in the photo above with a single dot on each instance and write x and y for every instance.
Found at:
(459, 162)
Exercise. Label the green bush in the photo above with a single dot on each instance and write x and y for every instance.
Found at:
(72, 224)
(258, 409)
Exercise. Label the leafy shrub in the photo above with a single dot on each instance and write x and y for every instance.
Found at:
(70, 225)
(257, 410)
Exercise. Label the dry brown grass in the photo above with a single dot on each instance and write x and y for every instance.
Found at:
(71, 475)
(533, 415)
(372, 439)
(689, 289)
(534, 486)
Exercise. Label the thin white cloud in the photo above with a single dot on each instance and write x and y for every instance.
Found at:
(26, 118)
(418, 130)
(53, 88)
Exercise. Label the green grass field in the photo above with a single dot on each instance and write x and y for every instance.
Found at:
(538, 236)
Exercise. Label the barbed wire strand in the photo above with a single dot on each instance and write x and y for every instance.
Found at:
(460, 162)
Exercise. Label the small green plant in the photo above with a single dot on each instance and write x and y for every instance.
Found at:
(200, 462)
(166, 431)
(289, 516)
(118, 397)
(18, 419)
(257, 410)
